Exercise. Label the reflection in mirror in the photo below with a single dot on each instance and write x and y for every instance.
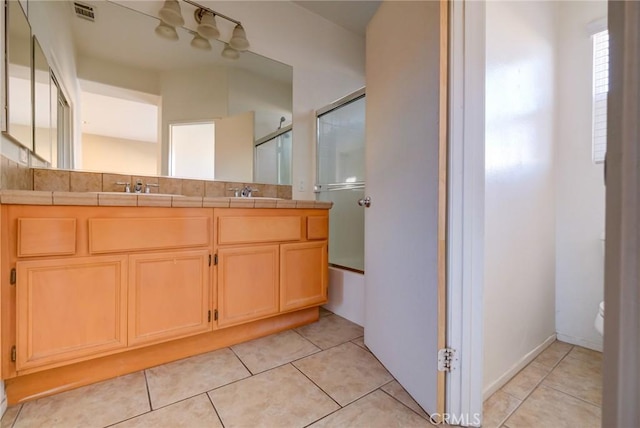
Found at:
(61, 148)
(136, 85)
(186, 138)
(18, 75)
(41, 103)
(273, 157)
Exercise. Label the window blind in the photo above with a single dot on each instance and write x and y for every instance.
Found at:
(600, 90)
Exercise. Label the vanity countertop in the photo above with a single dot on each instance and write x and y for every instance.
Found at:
(35, 197)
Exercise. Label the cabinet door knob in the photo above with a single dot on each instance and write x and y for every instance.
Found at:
(365, 202)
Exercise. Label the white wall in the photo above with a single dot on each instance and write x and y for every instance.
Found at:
(116, 155)
(580, 186)
(519, 293)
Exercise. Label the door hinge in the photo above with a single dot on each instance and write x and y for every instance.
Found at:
(209, 318)
(209, 259)
(14, 276)
(447, 359)
(215, 259)
(13, 354)
(215, 315)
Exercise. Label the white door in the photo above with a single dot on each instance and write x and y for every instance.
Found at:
(404, 230)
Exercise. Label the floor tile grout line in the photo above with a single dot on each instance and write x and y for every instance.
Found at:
(573, 396)
(146, 383)
(522, 401)
(151, 409)
(17, 415)
(214, 409)
(341, 407)
(317, 386)
(540, 382)
(385, 392)
(241, 362)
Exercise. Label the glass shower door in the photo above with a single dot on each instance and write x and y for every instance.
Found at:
(340, 177)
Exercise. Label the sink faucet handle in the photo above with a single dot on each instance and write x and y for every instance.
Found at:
(127, 186)
(148, 186)
(235, 190)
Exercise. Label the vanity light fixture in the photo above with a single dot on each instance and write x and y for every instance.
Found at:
(206, 24)
(171, 14)
(229, 53)
(171, 17)
(239, 40)
(200, 42)
(166, 31)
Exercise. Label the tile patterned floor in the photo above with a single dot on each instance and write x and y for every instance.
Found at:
(562, 387)
(319, 375)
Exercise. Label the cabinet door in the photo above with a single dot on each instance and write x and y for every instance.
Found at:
(303, 275)
(247, 283)
(69, 309)
(168, 296)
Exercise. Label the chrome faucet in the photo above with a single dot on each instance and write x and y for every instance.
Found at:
(138, 187)
(247, 192)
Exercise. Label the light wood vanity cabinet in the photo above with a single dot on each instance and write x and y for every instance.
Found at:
(68, 309)
(255, 280)
(90, 293)
(168, 296)
(247, 283)
(303, 275)
(94, 281)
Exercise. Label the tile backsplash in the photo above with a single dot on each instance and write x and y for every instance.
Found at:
(17, 177)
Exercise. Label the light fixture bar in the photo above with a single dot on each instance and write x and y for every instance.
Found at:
(192, 3)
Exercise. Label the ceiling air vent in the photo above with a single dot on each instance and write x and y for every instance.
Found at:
(84, 11)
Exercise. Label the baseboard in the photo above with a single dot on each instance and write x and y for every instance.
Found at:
(580, 342)
(506, 377)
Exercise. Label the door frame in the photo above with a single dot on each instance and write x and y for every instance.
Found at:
(465, 230)
(622, 294)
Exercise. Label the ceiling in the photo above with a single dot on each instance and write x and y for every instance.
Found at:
(353, 15)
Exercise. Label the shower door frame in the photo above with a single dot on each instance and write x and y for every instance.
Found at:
(331, 187)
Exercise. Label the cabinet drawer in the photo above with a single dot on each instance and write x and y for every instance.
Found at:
(107, 235)
(250, 229)
(46, 236)
(317, 227)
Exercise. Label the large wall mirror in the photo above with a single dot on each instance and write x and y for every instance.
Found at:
(137, 86)
(18, 60)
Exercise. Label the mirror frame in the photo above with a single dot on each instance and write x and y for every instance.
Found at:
(6, 129)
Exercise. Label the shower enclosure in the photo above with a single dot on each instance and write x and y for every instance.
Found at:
(340, 177)
(272, 163)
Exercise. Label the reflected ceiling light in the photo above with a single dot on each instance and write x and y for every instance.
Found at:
(229, 53)
(166, 31)
(206, 24)
(200, 42)
(207, 29)
(239, 40)
(170, 13)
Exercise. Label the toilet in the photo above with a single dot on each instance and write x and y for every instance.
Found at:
(599, 322)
